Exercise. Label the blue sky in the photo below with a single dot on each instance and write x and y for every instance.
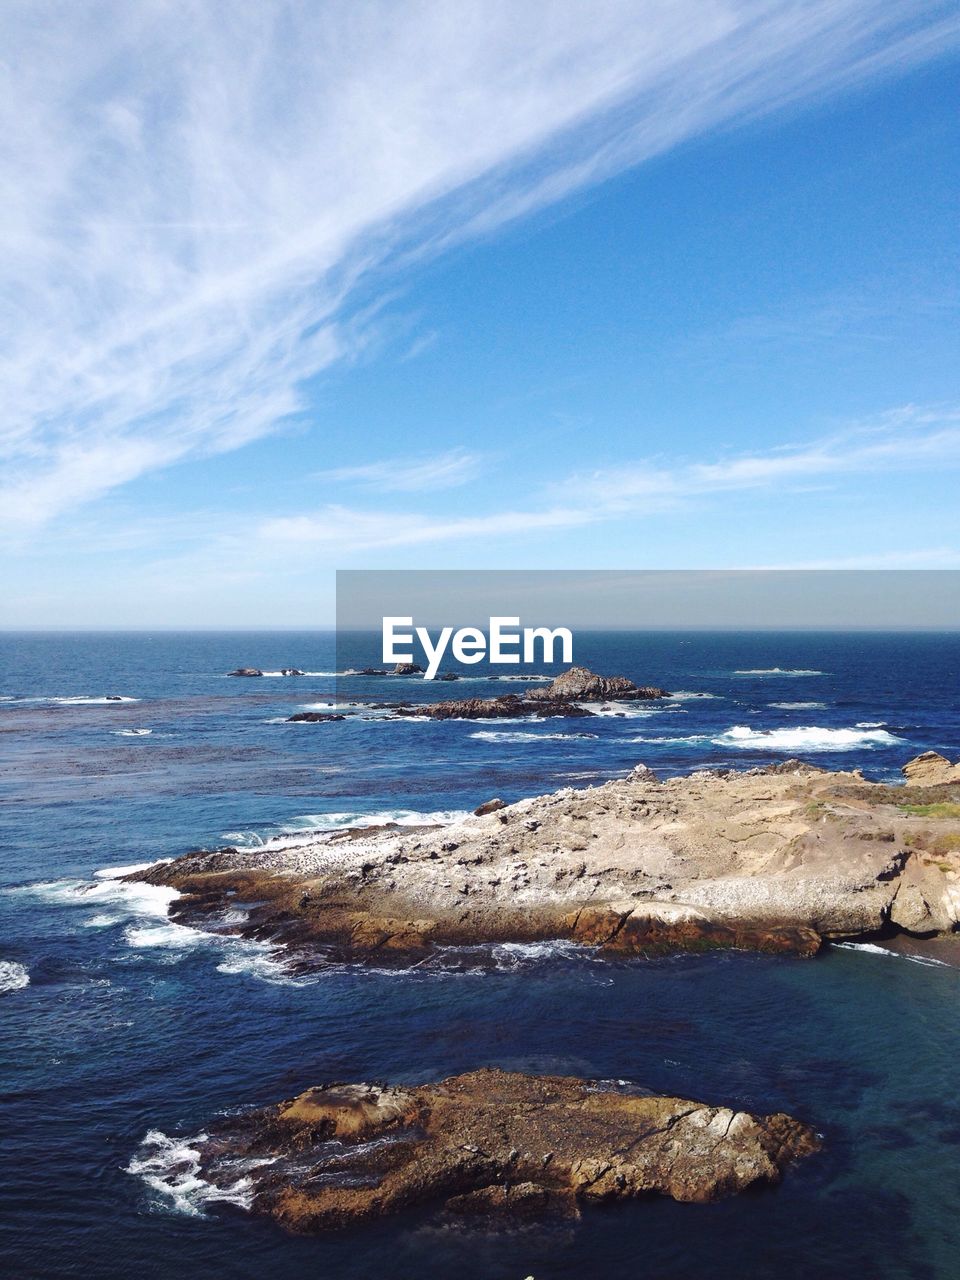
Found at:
(637, 285)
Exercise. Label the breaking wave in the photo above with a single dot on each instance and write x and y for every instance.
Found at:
(778, 671)
(171, 1167)
(299, 830)
(807, 738)
(497, 735)
(871, 948)
(13, 976)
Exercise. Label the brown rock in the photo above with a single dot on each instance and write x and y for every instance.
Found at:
(489, 806)
(579, 683)
(931, 769)
(488, 1141)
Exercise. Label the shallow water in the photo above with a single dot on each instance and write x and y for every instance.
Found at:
(130, 1024)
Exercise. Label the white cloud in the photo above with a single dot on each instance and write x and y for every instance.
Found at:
(408, 475)
(906, 439)
(189, 200)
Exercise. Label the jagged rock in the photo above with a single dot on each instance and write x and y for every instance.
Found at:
(291, 671)
(246, 671)
(580, 684)
(448, 675)
(509, 706)
(407, 669)
(370, 671)
(489, 806)
(314, 717)
(484, 1141)
(931, 769)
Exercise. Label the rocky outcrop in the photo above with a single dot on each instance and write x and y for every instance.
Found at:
(560, 698)
(291, 671)
(407, 669)
(507, 707)
(246, 671)
(773, 859)
(487, 1142)
(314, 717)
(931, 769)
(579, 684)
(489, 806)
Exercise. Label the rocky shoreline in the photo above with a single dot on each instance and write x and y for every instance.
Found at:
(488, 1142)
(773, 859)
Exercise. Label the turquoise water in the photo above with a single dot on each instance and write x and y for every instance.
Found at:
(128, 1024)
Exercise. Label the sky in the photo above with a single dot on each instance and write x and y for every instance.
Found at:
(651, 285)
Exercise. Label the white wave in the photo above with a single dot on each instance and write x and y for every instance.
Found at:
(264, 964)
(685, 695)
(330, 706)
(84, 700)
(114, 873)
(496, 735)
(803, 738)
(871, 724)
(302, 829)
(807, 738)
(872, 949)
(622, 710)
(171, 1166)
(132, 733)
(778, 671)
(13, 976)
(134, 899)
(798, 706)
(528, 679)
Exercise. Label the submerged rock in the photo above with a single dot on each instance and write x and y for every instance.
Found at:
(291, 671)
(487, 1141)
(246, 671)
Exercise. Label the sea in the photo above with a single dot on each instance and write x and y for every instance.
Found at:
(122, 1035)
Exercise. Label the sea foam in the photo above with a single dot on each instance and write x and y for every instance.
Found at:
(171, 1167)
(13, 976)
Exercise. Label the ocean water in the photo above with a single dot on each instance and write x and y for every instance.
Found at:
(117, 1024)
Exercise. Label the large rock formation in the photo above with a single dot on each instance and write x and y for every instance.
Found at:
(488, 1142)
(246, 671)
(582, 685)
(931, 769)
(772, 859)
(560, 698)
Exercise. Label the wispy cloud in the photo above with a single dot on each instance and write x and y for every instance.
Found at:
(408, 475)
(190, 203)
(908, 438)
(903, 440)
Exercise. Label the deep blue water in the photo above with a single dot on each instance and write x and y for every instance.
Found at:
(129, 1024)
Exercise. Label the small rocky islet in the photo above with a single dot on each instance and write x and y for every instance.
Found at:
(488, 1143)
